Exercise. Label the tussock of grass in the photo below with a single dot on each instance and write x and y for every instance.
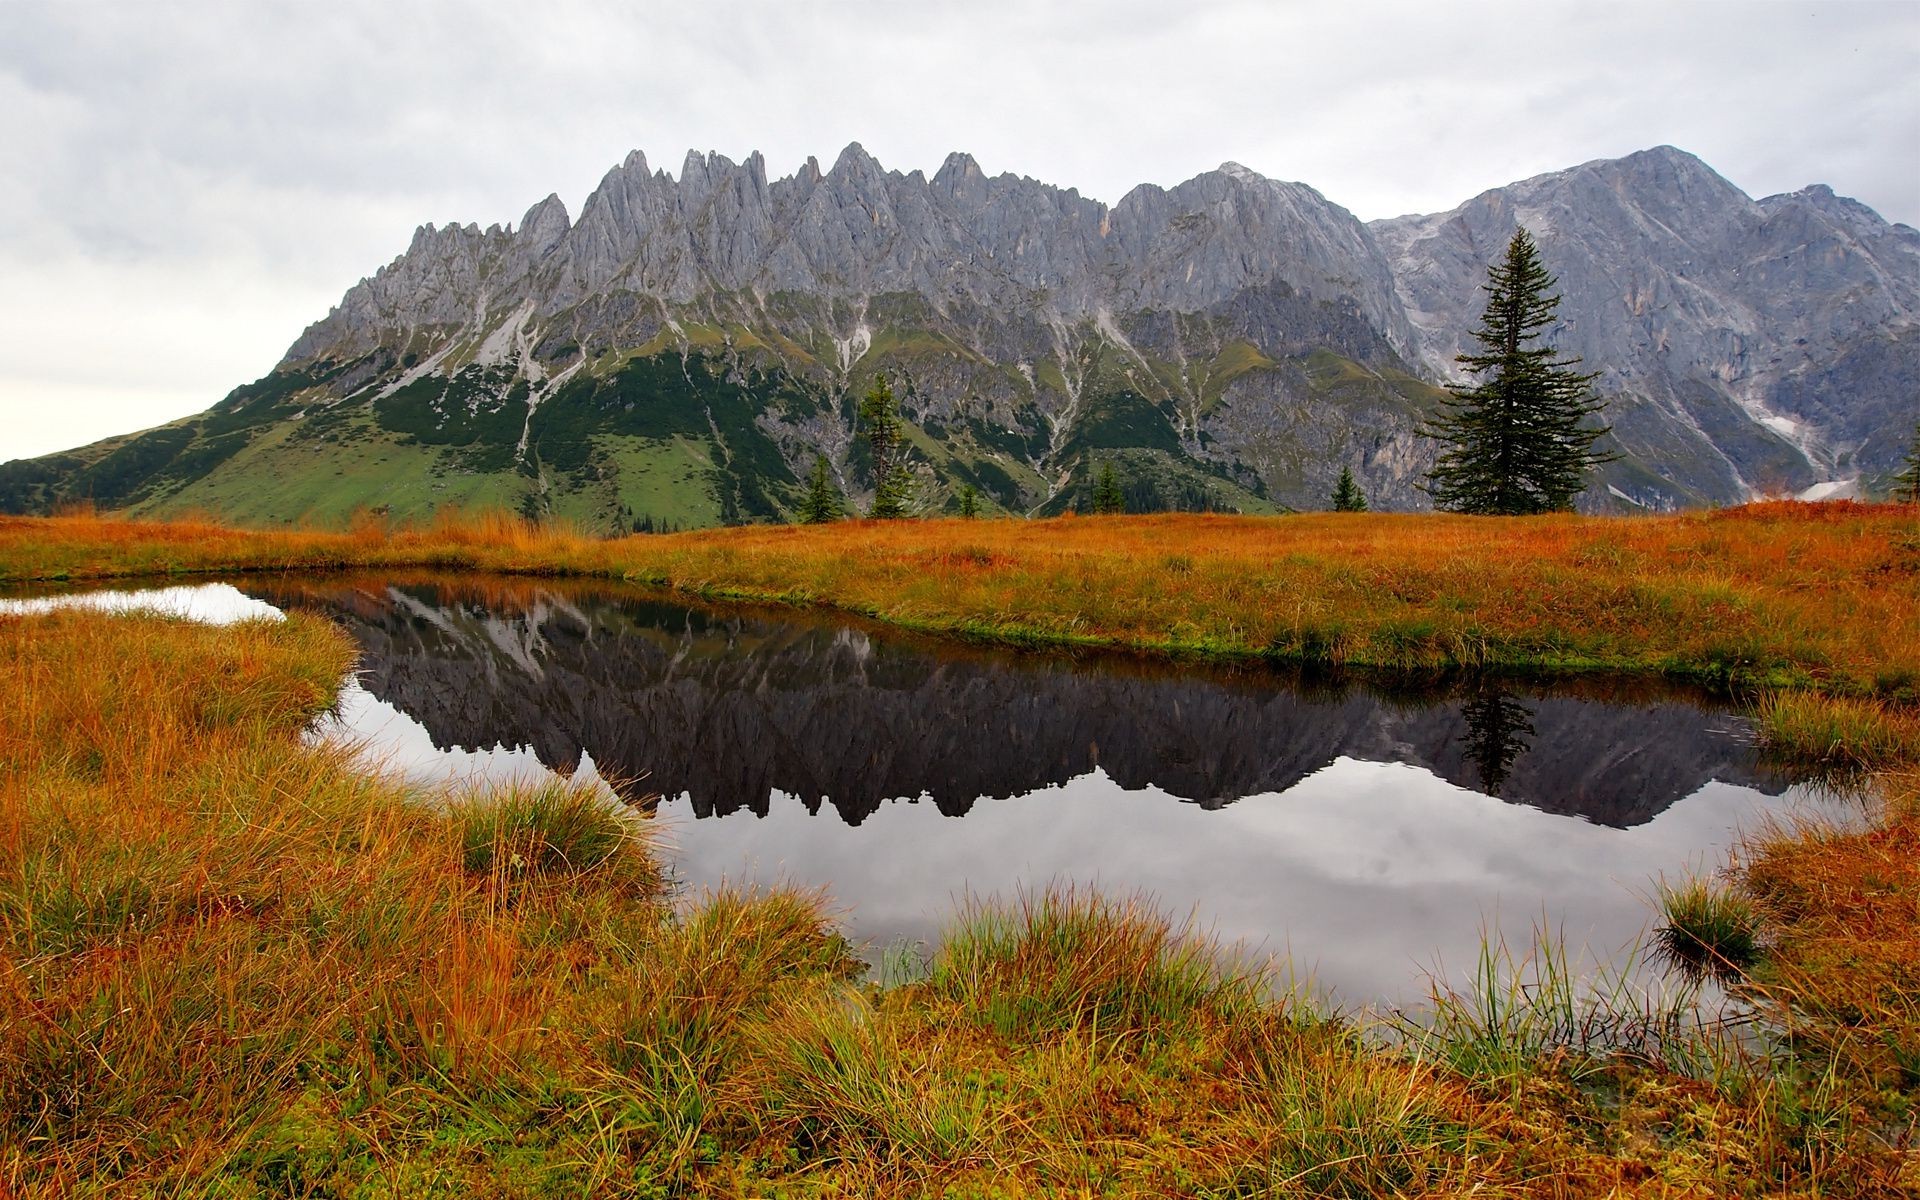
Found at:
(1708, 930)
(1332, 1116)
(1064, 960)
(551, 828)
(1523, 1009)
(875, 1089)
(674, 1015)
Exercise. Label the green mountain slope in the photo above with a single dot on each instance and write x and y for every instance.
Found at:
(721, 426)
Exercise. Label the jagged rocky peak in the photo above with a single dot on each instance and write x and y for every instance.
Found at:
(1687, 294)
(1824, 199)
(545, 224)
(1662, 161)
(859, 230)
(1243, 334)
(1226, 230)
(855, 161)
(958, 167)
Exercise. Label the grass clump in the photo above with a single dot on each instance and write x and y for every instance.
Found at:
(1063, 960)
(1523, 1009)
(671, 1025)
(551, 828)
(893, 1093)
(1707, 930)
(1333, 1116)
(673, 1013)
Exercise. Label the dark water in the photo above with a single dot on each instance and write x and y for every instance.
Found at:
(1370, 832)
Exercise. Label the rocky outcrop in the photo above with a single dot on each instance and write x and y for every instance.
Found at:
(858, 232)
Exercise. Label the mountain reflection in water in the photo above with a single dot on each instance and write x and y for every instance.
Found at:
(1350, 827)
(729, 707)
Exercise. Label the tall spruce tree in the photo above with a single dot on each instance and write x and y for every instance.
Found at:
(822, 503)
(1906, 485)
(892, 480)
(1107, 496)
(1517, 439)
(1347, 496)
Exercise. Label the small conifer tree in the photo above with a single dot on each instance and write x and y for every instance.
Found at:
(1906, 485)
(969, 501)
(823, 502)
(1516, 440)
(1347, 496)
(1107, 496)
(892, 480)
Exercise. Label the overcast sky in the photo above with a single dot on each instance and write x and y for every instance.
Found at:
(185, 186)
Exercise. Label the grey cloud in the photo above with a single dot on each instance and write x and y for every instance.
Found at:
(295, 146)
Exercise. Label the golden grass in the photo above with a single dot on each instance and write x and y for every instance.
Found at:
(1788, 593)
(1841, 904)
(238, 966)
(235, 965)
(1841, 734)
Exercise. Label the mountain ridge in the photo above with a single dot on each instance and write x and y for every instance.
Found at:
(682, 351)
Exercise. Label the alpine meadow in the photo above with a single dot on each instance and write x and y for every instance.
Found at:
(846, 680)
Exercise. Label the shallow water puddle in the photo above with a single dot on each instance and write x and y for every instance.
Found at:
(214, 603)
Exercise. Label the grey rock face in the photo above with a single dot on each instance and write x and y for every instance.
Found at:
(1744, 346)
(858, 232)
(1713, 309)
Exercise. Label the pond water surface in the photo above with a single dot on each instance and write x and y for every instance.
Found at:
(1371, 833)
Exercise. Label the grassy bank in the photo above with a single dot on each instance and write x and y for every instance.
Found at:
(1777, 595)
(234, 965)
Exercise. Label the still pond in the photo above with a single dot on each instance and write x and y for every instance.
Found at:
(1370, 831)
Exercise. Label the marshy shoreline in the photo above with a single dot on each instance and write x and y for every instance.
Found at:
(240, 965)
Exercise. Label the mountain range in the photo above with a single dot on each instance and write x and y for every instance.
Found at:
(683, 352)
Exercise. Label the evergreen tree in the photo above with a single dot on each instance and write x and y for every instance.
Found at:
(892, 480)
(1515, 440)
(969, 501)
(822, 503)
(1347, 496)
(1107, 496)
(1906, 485)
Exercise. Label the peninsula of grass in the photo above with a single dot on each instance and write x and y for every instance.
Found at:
(1795, 595)
(236, 964)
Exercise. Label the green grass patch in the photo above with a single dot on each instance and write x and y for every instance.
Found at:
(1707, 929)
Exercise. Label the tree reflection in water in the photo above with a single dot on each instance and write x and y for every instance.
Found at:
(1499, 730)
